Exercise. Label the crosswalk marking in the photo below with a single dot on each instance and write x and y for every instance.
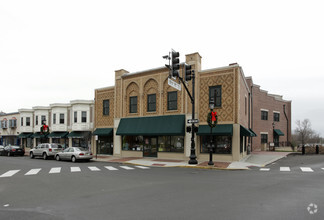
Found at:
(75, 169)
(306, 169)
(127, 168)
(33, 172)
(9, 173)
(142, 167)
(110, 168)
(284, 169)
(264, 169)
(322, 168)
(94, 168)
(55, 170)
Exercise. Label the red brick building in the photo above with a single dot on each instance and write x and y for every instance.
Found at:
(270, 118)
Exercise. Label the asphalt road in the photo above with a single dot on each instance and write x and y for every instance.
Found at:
(160, 193)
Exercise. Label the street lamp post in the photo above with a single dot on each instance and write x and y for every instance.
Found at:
(211, 145)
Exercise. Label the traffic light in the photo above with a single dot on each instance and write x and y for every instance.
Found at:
(175, 63)
(187, 72)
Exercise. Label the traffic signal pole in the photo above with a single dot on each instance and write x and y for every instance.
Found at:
(189, 74)
(193, 157)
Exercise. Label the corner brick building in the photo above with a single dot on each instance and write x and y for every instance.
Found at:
(143, 116)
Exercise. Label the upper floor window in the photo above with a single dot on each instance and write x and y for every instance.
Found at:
(36, 121)
(27, 121)
(21, 121)
(151, 103)
(75, 117)
(264, 115)
(133, 104)
(173, 100)
(276, 116)
(105, 104)
(54, 118)
(61, 118)
(84, 116)
(215, 92)
(43, 119)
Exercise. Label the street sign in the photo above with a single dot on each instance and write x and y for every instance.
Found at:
(174, 84)
(192, 121)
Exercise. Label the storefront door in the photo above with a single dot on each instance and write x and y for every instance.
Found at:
(150, 147)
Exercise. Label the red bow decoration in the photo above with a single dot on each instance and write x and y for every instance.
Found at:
(214, 115)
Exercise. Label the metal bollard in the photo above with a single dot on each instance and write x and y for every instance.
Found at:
(303, 150)
(317, 149)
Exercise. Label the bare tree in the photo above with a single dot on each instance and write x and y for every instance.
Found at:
(304, 130)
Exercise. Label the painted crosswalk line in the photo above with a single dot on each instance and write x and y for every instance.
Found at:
(306, 169)
(264, 169)
(142, 167)
(127, 168)
(284, 169)
(9, 173)
(75, 169)
(55, 170)
(33, 172)
(94, 168)
(110, 168)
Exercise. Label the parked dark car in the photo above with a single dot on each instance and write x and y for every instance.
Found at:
(13, 151)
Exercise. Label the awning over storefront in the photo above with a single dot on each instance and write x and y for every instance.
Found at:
(58, 134)
(219, 130)
(254, 134)
(246, 132)
(173, 125)
(279, 132)
(79, 134)
(25, 135)
(103, 132)
(38, 135)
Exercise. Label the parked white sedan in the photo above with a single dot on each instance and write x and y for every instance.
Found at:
(74, 154)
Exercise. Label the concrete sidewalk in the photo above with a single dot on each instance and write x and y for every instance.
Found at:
(256, 159)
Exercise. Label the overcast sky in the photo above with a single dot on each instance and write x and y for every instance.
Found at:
(58, 51)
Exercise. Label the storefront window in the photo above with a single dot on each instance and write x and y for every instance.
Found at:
(165, 143)
(79, 142)
(105, 145)
(223, 144)
(171, 144)
(134, 143)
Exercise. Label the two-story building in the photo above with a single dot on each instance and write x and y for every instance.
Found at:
(9, 129)
(69, 124)
(143, 116)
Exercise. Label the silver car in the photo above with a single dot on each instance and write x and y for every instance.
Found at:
(45, 150)
(74, 154)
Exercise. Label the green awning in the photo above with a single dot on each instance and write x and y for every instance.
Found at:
(103, 132)
(246, 132)
(58, 134)
(75, 134)
(254, 134)
(279, 132)
(38, 135)
(173, 125)
(219, 130)
(25, 135)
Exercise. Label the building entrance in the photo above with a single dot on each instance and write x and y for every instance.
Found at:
(150, 147)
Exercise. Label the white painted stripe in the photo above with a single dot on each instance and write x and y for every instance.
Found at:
(33, 171)
(306, 169)
(127, 168)
(284, 169)
(94, 168)
(264, 169)
(55, 170)
(9, 173)
(142, 167)
(110, 168)
(322, 168)
(75, 169)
